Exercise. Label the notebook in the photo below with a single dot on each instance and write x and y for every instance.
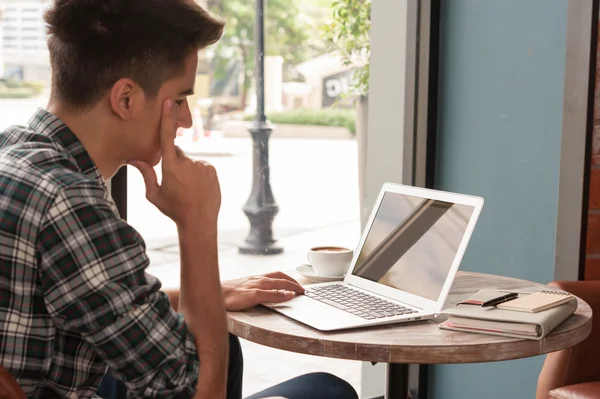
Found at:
(491, 326)
(536, 302)
(506, 323)
(482, 296)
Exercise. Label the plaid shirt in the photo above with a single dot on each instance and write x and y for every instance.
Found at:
(74, 295)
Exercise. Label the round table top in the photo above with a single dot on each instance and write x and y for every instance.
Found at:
(412, 342)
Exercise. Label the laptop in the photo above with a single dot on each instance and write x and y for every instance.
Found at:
(403, 266)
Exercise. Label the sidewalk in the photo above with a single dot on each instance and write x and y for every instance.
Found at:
(266, 366)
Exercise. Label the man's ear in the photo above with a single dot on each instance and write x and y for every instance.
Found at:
(125, 97)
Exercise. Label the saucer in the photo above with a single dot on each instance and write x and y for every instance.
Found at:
(307, 272)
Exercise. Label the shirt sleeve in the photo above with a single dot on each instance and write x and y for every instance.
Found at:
(92, 270)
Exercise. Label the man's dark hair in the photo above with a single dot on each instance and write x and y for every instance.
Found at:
(94, 43)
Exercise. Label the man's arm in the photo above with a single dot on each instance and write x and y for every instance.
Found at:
(92, 270)
(201, 303)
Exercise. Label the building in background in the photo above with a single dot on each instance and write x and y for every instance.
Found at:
(327, 80)
(25, 52)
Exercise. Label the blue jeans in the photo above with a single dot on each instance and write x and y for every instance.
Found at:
(308, 386)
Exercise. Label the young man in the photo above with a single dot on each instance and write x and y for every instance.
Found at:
(74, 295)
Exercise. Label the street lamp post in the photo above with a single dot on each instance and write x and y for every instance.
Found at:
(260, 207)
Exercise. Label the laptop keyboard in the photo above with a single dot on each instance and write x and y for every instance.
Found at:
(357, 302)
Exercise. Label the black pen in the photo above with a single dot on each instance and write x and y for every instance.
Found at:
(500, 299)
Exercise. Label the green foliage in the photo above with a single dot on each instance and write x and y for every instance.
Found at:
(349, 31)
(37, 87)
(288, 31)
(15, 94)
(315, 117)
(19, 89)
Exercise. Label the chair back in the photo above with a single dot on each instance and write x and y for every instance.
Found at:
(9, 388)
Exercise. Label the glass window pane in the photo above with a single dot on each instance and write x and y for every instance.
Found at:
(315, 67)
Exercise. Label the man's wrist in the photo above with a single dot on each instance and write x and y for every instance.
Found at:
(196, 228)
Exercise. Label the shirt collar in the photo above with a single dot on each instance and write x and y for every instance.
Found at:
(49, 125)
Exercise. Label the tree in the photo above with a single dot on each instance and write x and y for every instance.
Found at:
(289, 32)
(349, 31)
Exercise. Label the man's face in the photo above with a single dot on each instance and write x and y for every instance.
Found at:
(146, 125)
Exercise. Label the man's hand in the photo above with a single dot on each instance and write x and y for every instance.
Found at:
(190, 190)
(250, 291)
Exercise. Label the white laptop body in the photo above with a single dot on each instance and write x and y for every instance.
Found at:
(407, 257)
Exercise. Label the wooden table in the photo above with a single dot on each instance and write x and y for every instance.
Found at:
(404, 345)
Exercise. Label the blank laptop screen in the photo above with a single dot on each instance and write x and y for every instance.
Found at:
(412, 243)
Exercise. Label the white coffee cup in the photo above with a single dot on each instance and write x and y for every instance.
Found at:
(330, 261)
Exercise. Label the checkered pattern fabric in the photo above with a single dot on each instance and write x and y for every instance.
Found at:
(74, 295)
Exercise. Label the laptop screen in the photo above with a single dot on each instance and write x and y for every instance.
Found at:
(412, 243)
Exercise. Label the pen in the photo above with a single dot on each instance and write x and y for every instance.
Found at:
(500, 299)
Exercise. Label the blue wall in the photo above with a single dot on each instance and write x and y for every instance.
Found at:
(499, 132)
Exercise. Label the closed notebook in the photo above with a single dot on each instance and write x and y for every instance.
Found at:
(491, 326)
(536, 302)
(507, 323)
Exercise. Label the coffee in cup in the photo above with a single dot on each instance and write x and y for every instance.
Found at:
(330, 261)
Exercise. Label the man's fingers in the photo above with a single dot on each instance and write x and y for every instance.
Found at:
(168, 131)
(282, 284)
(150, 179)
(274, 296)
(281, 275)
